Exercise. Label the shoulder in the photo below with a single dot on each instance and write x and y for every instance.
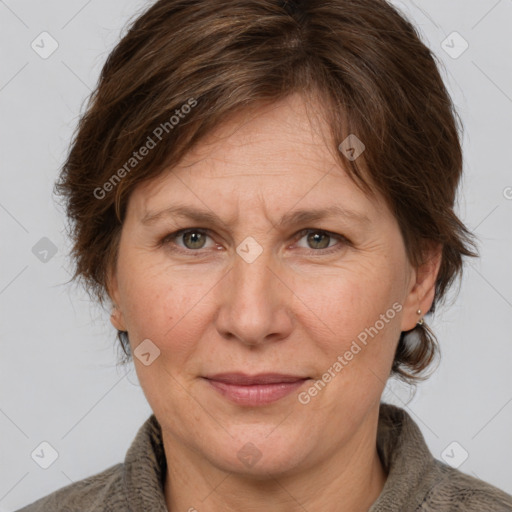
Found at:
(135, 484)
(453, 491)
(102, 492)
(418, 482)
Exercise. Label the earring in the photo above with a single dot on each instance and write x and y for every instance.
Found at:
(114, 307)
(420, 321)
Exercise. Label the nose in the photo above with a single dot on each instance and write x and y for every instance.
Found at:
(255, 302)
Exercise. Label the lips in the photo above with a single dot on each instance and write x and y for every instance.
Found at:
(242, 379)
(254, 390)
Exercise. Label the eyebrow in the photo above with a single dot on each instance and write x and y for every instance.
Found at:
(292, 218)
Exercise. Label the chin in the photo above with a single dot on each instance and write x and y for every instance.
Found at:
(259, 454)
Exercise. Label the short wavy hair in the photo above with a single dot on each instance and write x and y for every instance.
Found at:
(185, 66)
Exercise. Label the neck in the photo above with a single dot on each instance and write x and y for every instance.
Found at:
(351, 475)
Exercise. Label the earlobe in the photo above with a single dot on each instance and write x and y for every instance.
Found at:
(116, 318)
(116, 315)
(421, 295)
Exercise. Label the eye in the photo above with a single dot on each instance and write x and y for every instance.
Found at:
(320, 240)
(193, 239)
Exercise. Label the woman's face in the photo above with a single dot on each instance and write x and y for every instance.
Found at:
(322, 300)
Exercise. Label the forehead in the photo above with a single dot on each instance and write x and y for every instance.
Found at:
(279, 156)
(289, 131)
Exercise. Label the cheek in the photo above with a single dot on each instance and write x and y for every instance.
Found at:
(356, 326)
(345, 304)
(165, 304)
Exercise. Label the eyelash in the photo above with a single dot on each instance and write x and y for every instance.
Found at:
(170, 238)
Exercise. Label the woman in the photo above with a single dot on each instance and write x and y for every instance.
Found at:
(263, 191)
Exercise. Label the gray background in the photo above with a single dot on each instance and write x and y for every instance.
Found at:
(59, 381)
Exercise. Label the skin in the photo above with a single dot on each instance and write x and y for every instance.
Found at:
(293, 310)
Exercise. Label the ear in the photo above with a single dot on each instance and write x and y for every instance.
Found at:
(422, 287)
(116, 316)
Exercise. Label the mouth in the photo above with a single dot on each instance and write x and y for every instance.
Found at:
(254, 390)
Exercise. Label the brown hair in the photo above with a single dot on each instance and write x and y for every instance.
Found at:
(185, 66)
